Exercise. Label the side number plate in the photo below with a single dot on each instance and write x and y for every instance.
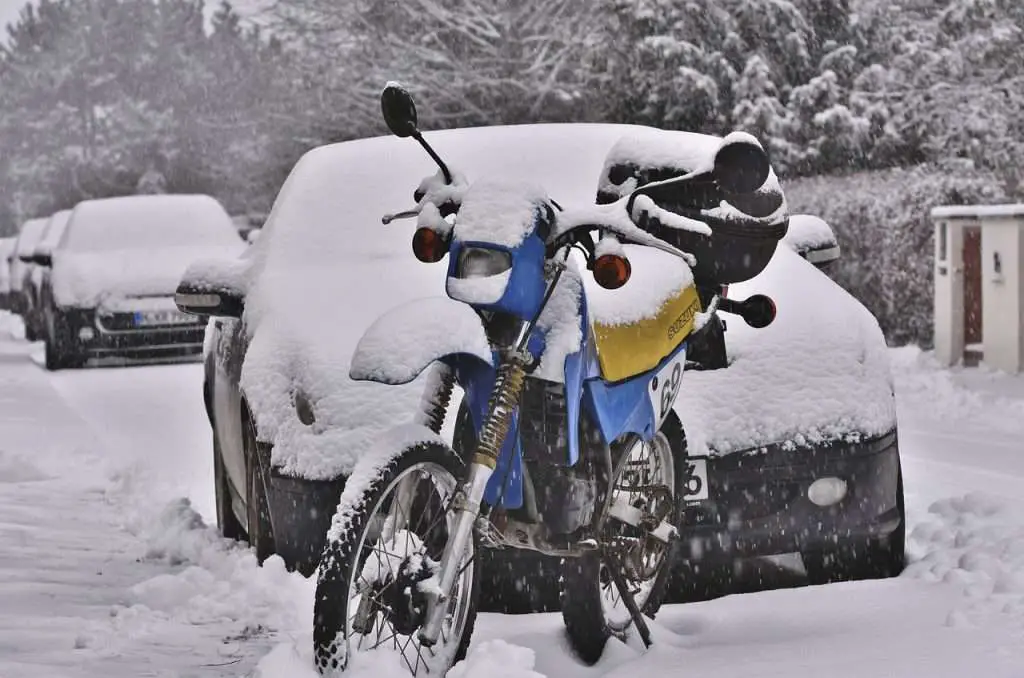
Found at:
(665, 387)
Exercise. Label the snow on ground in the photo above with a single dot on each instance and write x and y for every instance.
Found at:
(109, 567)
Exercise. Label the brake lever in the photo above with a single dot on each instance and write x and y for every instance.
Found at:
(407, 214)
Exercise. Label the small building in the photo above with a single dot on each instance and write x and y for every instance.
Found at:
(979, 285)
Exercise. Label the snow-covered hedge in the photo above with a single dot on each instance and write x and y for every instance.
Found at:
(882, 223)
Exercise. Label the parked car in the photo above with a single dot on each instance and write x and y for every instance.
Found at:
(6, 257)
(811, 393)
(21, 265)
(39, 271)
(114, 271)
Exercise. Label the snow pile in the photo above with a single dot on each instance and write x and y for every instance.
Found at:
(974, 543)
(808, 232)
(818, 373)
(82, 280)
(325, 269)
(655, 277)
(147, 221)
(138, 246)
(55, 228)
(499, 212)
(390, 353)
(497, 659)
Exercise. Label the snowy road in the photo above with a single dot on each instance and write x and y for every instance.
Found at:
(107, 570)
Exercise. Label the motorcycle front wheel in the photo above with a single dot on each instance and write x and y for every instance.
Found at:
(380, 560)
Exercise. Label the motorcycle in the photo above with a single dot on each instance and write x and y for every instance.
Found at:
(575, 451)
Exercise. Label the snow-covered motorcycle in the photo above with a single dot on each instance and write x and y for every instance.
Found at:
(577, 452)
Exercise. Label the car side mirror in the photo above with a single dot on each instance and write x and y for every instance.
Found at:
(212, 288)
(42, 259)
(813, 239)
(25, 258)
(252, 236)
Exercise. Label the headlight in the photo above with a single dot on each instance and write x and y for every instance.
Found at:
(479, 262)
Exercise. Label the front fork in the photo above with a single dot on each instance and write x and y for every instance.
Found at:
(508, 387)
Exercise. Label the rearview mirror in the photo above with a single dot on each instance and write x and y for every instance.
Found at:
(212, 288)
(253, 235)
(813, 239)
(741, 165)
(399, 110)
(42, 259)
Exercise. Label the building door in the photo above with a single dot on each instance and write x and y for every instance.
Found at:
(972, 287)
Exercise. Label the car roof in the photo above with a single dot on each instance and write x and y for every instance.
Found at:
(133, 221)
(28, 237)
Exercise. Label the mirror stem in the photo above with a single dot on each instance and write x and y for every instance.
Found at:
(430, 151)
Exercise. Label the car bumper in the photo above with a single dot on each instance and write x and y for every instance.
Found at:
(94, 339)
(758, 502)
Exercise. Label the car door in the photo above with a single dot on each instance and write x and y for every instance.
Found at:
(230, 344)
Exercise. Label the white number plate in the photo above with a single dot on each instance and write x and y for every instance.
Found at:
(146, 318)
(695, 481)
(665, 387)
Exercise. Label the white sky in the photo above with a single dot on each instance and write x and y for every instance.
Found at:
(9, 12)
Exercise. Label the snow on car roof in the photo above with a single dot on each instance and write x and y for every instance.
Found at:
(28, 237)
(146, 221)
(55, 228)
(325, 269)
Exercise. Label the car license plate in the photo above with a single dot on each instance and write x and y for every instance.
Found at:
(695, 480)
(168, 317)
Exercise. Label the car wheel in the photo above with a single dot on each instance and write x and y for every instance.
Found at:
(228, 524)
(259, 530)
(855, 560)
(31, 331)
(60, 346)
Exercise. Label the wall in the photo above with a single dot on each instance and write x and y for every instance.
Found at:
(1002, 294)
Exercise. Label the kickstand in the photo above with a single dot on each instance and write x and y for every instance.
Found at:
(627, 598)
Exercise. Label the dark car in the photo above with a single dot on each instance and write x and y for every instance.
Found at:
(21, 265)
(110, 291)
(288, 422)
(39, 272)
(6, 258)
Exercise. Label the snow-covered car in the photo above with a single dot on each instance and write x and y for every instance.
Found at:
(21, 263)
(114, 271)
(40, 271)
(803, 413)
(6, 256)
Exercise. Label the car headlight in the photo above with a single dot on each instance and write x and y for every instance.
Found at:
(481, 262)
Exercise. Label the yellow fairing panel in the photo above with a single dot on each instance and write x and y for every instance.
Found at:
(630, 349)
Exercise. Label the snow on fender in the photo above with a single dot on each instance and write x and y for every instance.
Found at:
(405, 340)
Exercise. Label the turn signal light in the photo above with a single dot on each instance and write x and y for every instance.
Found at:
(612, 271)
(428, 245)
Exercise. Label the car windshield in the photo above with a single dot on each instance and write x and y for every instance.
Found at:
(55, 228)
(148, 222)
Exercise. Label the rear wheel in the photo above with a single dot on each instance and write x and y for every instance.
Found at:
(855, 560)
(382, 556)
(257, 470)
(646, 477)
